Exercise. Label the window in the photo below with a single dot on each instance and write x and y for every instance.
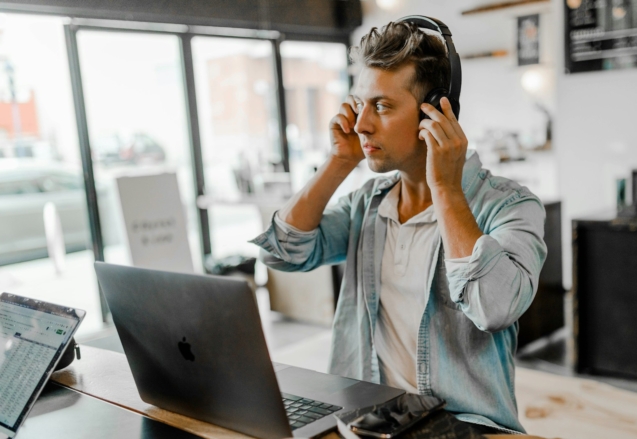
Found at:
(39, 164)
(135, 105)
(238, 122)
(316, 83)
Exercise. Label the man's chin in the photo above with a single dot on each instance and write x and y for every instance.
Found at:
(379, 166)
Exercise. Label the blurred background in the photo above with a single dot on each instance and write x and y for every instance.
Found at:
(233, 99)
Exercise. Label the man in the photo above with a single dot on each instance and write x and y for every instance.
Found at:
(442, 258)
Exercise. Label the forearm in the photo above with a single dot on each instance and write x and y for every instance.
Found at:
(458, 227)
(305, 209)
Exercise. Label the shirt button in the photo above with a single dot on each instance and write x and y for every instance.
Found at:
(402, 246)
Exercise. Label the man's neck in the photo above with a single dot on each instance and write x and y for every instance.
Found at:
(414, 197)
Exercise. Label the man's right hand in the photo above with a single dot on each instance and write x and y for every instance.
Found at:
(346, 145)
(305, 209)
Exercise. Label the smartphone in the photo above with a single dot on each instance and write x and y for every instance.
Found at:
(391, 419)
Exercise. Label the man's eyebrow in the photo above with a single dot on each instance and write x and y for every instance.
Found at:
(374, 98)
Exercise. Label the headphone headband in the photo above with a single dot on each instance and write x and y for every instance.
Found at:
(454, 59)
(428, 23)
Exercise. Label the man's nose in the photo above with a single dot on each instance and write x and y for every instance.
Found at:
(364, 124)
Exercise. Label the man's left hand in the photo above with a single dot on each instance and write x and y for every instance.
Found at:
(446, 147)
(446, 150)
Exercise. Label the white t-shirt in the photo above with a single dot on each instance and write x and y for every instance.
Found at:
(406, 267)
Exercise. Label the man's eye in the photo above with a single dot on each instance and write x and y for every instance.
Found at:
(380, 107)
(359, 106)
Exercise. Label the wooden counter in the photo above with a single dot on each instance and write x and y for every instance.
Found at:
(550, 406)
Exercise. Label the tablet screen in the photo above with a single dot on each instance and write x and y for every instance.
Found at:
(33, 336)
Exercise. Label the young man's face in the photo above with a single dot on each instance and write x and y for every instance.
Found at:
(388, 118)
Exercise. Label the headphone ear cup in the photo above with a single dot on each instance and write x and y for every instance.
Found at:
(433, 98)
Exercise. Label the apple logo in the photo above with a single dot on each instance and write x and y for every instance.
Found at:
(184, 348)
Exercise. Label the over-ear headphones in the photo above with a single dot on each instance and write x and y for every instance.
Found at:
(453, 92)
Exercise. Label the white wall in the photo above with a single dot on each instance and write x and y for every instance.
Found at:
(595, 114)
(596, 138)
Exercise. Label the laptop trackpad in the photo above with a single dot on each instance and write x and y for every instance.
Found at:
(311, 384)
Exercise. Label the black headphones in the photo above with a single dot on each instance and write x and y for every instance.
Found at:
(453, 93)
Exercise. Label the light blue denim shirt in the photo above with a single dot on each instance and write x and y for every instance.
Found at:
(468, 332)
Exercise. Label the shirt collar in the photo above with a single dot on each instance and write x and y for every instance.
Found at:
(388, 208)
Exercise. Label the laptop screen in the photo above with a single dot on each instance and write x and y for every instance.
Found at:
(33, 336)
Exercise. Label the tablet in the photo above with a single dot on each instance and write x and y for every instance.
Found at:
(33, 337)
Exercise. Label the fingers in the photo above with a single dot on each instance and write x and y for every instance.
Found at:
(430, 139)
(438, 117)
(352, 103)
(435, 129)
(444, 126)
(342, 121)
(346, 117)
(448, 111)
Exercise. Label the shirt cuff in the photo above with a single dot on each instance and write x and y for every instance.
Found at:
(485, 255)
(288, 228)
(457, 263)
(286, 242)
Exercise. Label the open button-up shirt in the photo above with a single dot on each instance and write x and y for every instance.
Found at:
(468, 332)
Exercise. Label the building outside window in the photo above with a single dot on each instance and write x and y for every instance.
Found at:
(316, 83)
(238, 122)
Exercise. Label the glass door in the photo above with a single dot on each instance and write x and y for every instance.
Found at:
(136, 114)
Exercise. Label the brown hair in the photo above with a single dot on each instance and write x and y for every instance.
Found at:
(397, 44)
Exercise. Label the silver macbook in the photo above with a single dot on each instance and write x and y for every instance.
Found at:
(196, 347)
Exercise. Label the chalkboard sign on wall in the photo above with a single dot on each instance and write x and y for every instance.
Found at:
(600, 35)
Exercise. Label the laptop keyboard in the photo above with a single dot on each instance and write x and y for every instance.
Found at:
(302, 411)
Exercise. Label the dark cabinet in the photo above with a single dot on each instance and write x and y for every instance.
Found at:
(546, 313)
(605, 295)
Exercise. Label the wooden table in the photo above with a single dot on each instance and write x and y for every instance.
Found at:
(62, 413)
(107, 376)
(574, 408)
(550, 406)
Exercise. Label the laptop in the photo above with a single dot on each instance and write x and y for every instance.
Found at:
(195, 346)
(33, 336)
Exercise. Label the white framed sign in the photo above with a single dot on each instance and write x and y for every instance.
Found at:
(155, 222)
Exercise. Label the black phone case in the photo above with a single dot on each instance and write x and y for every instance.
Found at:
(394, 417)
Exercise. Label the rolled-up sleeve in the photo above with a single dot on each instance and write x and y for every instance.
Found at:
(498, 283)
(286, 248)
